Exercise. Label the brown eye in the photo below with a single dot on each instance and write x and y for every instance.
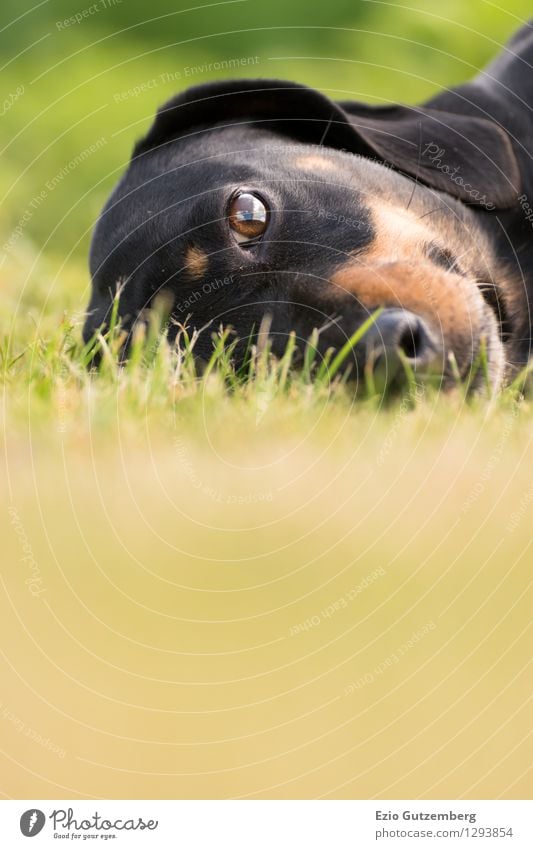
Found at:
(248, 217)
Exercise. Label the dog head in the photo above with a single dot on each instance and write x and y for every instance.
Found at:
(254, 199)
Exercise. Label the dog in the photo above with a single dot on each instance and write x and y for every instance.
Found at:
(254, 204)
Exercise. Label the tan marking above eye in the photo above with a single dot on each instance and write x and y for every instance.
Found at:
(399, 235)
(196, 261)
(451, 303)
(247, 216)
(315, 162)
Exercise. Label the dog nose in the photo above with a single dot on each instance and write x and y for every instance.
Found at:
(395, 335)
(400, 330)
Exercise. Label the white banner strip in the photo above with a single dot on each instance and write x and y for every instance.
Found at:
(268, 824)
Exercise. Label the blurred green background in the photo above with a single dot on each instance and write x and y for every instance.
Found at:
(68, 85)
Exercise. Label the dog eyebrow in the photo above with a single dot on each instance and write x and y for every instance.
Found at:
(442, 257)
(315, 161)
(196, 261)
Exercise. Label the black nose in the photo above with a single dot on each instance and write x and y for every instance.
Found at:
(395, 335)
(400, 330)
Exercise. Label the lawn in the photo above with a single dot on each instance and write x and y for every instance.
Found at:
(216, 587)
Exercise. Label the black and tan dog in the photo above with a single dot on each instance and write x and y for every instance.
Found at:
(257, 197)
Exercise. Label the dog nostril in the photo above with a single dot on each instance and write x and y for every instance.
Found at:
(412, 340)
(400, 330)
(397, 334)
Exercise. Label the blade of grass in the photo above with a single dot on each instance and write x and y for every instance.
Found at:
(311, 350)
(286, 361)
(518, 384)
(484, 359)
(347, 348)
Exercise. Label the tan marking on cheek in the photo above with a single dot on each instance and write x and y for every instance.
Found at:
(398, 234)
(196, 261)
(449, 302)
(315, 162)
(394, 272)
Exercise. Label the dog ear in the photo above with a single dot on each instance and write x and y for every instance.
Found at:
(290, 108)
(467, 157)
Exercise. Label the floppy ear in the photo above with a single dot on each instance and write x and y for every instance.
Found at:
(290, 108)
(467, 157)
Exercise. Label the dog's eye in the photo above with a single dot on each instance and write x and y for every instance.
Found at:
(248, 217)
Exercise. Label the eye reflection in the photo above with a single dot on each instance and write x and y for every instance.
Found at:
(248, 217)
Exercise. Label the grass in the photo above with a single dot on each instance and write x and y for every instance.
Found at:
(54, 364)
(166, 534)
